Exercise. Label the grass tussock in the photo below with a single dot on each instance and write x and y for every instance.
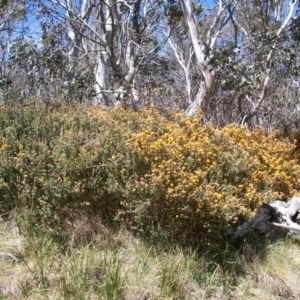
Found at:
(13, 248)
(278, 273)
(12, 245)
(121, 266)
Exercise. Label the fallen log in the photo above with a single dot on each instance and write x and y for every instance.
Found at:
(271, 216)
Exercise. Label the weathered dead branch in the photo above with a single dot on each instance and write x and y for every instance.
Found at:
(272, 216)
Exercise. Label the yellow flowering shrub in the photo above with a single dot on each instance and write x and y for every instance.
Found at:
(207, 178)
(142, 169)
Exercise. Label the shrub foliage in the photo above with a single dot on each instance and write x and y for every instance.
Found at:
(140, 169)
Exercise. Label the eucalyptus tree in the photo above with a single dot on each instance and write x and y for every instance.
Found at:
(255, 64)
(275, 19)
(40, 65)
(11, 13)
(203, 39)
(237, 49)
(118, 37)
(232, 60)
(180, 50)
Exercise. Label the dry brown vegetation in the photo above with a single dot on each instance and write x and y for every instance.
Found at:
(121, 266)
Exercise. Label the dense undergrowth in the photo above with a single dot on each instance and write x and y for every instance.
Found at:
(154, 175)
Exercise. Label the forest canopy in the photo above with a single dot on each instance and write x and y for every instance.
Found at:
(237, 61)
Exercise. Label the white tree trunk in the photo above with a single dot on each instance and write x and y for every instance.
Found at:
(74, 35)
(103, 60)
(204, 52)
(113, 34)
(204, 93)
(101, 79)
(185, 65)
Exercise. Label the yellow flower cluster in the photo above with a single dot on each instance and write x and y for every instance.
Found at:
(213, 176)
(146, 169)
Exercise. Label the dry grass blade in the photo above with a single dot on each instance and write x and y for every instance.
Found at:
(12, 245)
(13, 274)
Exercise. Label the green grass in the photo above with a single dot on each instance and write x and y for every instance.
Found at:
(120, 266)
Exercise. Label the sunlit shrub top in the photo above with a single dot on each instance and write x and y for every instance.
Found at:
(141, 168)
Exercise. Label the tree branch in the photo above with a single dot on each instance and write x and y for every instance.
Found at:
(263, 93)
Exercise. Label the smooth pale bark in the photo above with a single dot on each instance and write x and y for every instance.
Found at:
(101, 79)
(102, 57)
(114, 35)
(203, 47)
(74, 34)
(184, 64)
(113, 56)
(204, 93)
(206, 86)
